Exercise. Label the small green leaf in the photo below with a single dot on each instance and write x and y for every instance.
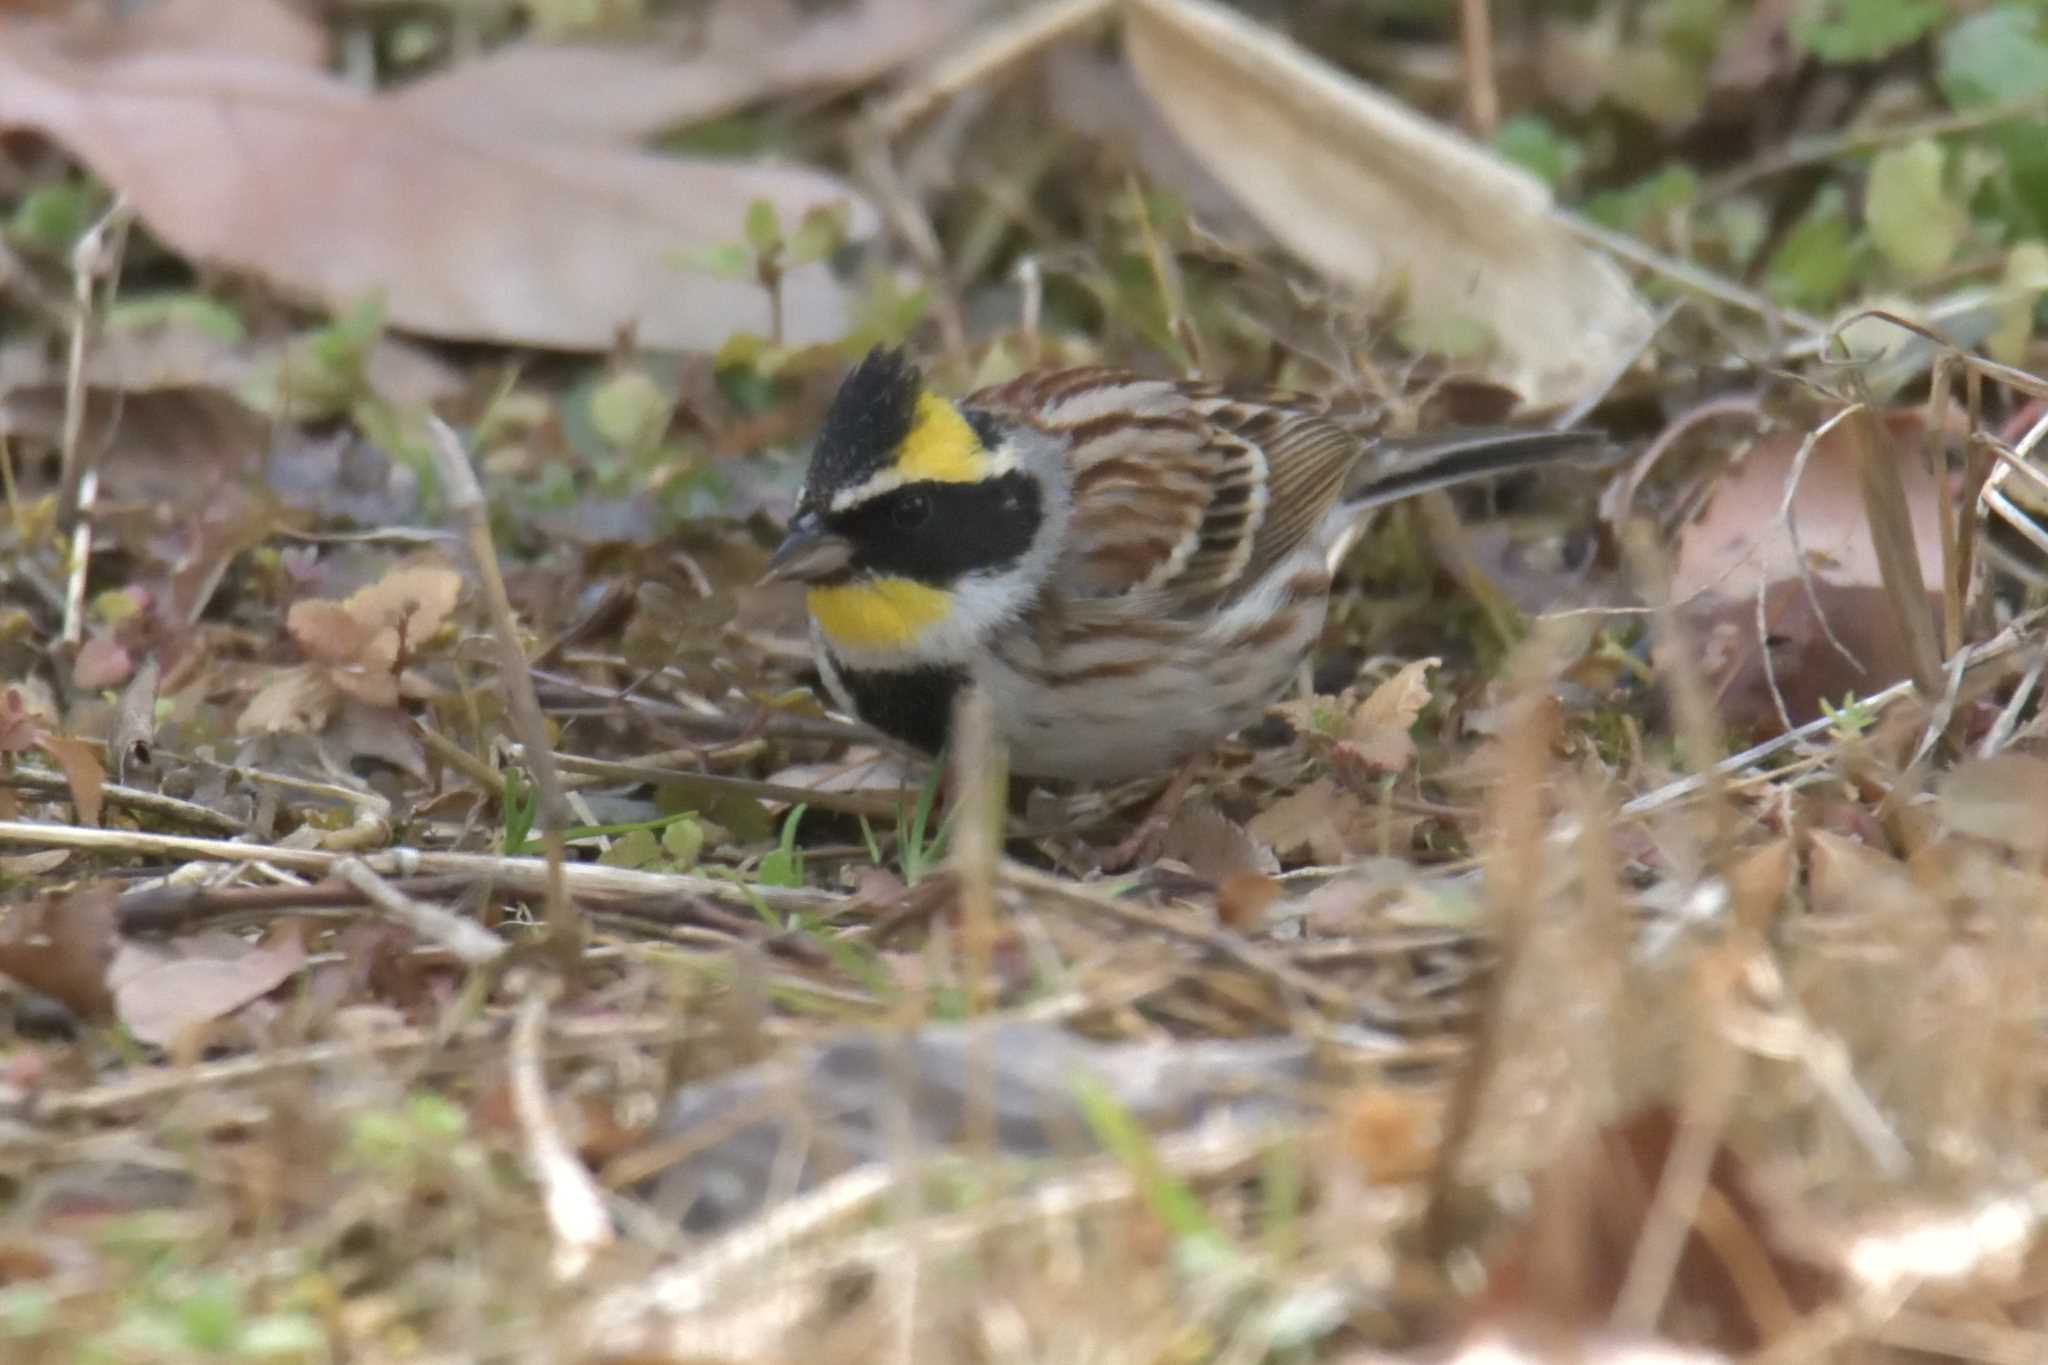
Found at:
(176, 308)
(1841, 31)
(51, 218)
(785, 865)
(630, 411)
(726, 260)
(1641, 205)
(683, 841)
(822, 232)
(2026, 275)
(210, 1317)
(1913, 219)
(282, 1336)
(764, 230)
(1453, 336)
(1996, 56)
(1532, 143)
(1816, 260)
(635, 849)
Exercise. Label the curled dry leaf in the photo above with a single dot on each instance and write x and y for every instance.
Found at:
(24, 727)
(63, 945)
(355, 648)
(748, 50)
(471, 232)
(1378, 197)
(1739, 547)
(1364, 738)
(134, 733)
(80, 763)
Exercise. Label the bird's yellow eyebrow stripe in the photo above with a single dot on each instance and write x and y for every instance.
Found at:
(878, 614)
(941, 446)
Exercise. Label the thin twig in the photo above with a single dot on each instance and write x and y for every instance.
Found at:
(134, 798)
(1475, 42)
(575, 1206)
(469, 941)
(519, 876)
(466, 503)
(98, 253)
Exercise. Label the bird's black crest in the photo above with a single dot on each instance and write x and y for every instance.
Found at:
(868, 420)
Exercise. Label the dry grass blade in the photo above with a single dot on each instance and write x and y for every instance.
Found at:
(1898, 556)
(466, 501)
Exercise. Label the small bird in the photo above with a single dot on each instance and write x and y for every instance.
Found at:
(1131, 568)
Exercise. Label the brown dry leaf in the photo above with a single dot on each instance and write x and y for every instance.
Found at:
(332, 634)
(749, 50)
(472, 233)
(102, 662)
(265, 30)
(1378, 732)
(19, 726)
(1739, 1283)
(1378, 197)
(63, 945)
(1364, 739)
(22, 866)
(358, 640)
(2002, 799)
(412, 601)
(159, 996)
(1738, 544)
(295, 701)
(1317, 818)
(1214, 846)
(80, 763)
(1843, 877)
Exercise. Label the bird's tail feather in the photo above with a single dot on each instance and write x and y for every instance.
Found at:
(1405, 466)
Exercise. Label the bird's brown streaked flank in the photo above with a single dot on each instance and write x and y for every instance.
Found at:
(1132, 568)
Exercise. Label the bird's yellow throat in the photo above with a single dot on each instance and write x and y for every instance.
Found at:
(878, 614)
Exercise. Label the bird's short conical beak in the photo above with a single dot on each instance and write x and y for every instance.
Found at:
(808, 553)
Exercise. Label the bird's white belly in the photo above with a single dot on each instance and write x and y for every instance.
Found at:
(1121, 725)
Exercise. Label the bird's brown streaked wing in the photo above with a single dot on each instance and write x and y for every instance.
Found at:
(1142, 481)
(1307, 458)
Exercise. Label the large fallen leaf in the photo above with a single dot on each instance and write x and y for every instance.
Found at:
(749, 50)
(474, 233)
(270, 29)
(1827, 632)
(160, 994)
(1382, 199)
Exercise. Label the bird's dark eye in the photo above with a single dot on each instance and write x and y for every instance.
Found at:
(911, 511)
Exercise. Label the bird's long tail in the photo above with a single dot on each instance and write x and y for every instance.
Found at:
(1401, 467)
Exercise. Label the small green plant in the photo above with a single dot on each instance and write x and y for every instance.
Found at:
(517, 804)
(767, 253)
(919, 845)
(1849, 720)
(784, 865)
